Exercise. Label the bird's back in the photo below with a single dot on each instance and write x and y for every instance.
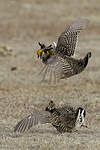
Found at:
(63, 119)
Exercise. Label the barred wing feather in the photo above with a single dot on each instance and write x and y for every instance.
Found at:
(32, 120)
(68, 39)
(53, 69)
(58, 68)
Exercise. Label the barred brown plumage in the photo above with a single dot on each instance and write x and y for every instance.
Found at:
(64, 119)
(60, 64)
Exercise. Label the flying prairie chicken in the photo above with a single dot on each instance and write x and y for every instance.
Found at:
(64, 119)
(58, 62)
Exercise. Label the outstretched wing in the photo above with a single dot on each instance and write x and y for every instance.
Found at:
(32, 120)
(68, 39)
(53, 69)
(59, 68)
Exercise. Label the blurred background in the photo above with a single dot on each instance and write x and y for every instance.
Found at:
(24, 23)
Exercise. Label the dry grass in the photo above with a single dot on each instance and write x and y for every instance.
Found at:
(22, 24)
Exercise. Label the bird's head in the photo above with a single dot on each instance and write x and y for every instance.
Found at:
(44, 51)
(50, 107)
(89, 54)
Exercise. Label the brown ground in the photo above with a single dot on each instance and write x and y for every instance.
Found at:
(22, 24)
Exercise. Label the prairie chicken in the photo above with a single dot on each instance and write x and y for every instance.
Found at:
(64, 119)
(58, 62)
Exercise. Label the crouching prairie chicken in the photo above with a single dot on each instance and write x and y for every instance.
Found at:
(64, 119)
(58, 61)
